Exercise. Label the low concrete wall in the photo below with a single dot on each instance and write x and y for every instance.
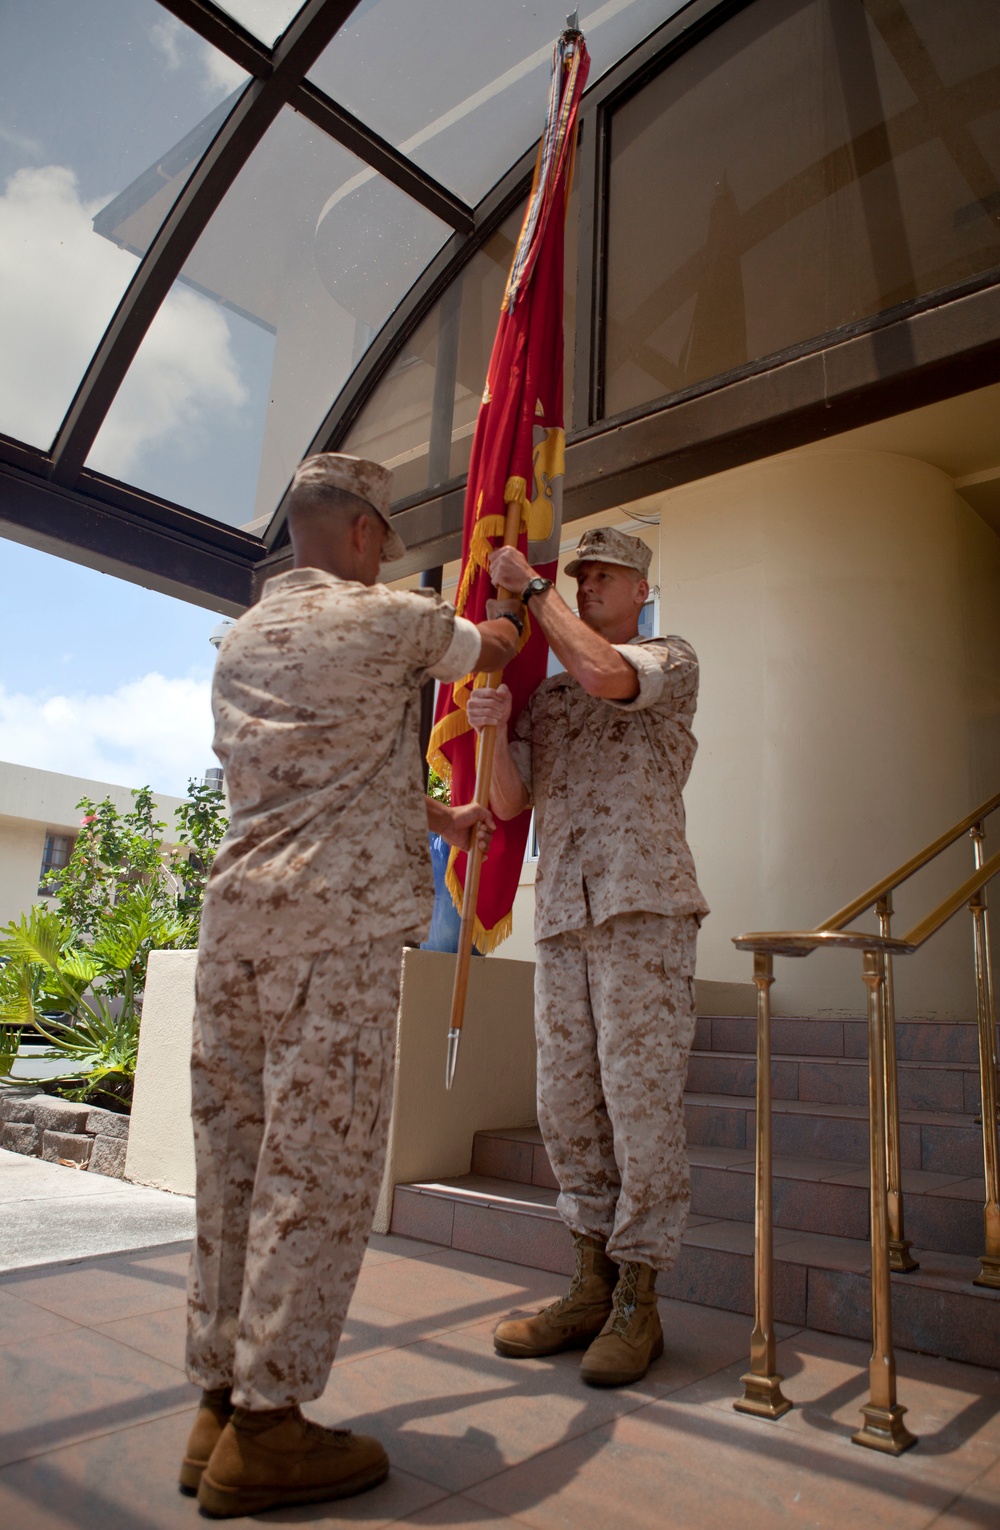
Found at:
(160, 1139)
(431, 1131)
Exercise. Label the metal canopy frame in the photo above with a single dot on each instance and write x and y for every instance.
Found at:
(920, 352)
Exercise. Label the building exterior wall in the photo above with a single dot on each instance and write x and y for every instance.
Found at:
(34, 803)
(843, 606)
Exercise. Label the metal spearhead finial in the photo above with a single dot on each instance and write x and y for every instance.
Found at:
(454, 1037)
(573, 21)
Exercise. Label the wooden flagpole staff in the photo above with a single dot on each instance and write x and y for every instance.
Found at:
(474, 862)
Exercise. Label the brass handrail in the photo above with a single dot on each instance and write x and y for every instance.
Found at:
(802, 942)
(883, 1428)
(909, 868)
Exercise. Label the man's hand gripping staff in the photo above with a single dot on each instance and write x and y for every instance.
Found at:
(481, 798)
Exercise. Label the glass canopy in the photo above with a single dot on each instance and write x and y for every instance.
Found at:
(472, 105)
(115, 102)
(234, 232)
(303, 262)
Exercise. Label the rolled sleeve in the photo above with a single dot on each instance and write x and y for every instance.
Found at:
(667, 670)
(461, 655)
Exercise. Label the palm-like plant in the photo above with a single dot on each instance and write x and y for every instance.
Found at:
(85, 1000)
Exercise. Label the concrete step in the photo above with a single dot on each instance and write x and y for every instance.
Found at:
(941, 1087)
(814, 1195)
(934, 1142)
(937, 1142)
(821, 1281)
(953, 1041)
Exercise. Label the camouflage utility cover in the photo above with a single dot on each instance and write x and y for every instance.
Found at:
(606, 779)
(317, 706)
(603, 544)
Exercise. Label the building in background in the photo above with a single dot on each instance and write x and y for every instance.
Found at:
(39, 822)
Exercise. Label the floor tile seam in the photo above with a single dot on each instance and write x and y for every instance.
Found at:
(93, 1327)
(566, 1439)
(422, 1338)
(447, 1496)
(101, 1331)
(963, 1492)
(73, 1441)
(428, 1253)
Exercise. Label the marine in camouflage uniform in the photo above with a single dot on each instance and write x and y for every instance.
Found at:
(322, 876)
(617, 909)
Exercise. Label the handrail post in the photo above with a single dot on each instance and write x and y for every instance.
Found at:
(762, 1393)
(883, 1428)
(900, 1257)
(989, 1261)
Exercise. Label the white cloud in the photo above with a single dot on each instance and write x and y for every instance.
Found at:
(21, 141)
(184, 373)
(221, 75)
(167, 35)
(60, 283)
(152, 731)
(180, 47)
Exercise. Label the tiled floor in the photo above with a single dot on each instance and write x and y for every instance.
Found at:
(94, 1410)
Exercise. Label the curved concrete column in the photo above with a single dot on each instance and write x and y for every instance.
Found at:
(844, 606)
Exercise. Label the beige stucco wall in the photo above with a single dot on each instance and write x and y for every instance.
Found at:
(432, 1129)
(843, 606)
(160, 1139)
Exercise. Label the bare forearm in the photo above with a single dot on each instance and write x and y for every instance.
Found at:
(499, 639)
(507, 794)
(588, 657)
(438, 816)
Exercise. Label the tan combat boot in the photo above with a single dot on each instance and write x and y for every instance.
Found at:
(572, 1321)
(632, 1338)
(214, 1414)
(275, 1458)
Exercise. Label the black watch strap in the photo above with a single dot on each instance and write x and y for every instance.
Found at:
(536, 586)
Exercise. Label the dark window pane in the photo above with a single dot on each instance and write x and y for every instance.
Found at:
(56, 854)
(803, 167)
(421, 419)
(305, 259)
(104, 110)
(462, 87)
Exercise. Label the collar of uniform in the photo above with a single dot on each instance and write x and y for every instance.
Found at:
(299, 578)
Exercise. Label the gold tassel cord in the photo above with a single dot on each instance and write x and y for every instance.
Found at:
(485, 940)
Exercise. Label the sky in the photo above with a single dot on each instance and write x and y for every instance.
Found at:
(100, 678)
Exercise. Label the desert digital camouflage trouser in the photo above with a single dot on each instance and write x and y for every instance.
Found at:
(291, 1082)
(614, 1019)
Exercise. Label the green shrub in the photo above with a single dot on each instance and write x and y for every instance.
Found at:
(73, 973)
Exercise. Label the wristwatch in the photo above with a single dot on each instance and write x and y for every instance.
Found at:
(536, 586)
